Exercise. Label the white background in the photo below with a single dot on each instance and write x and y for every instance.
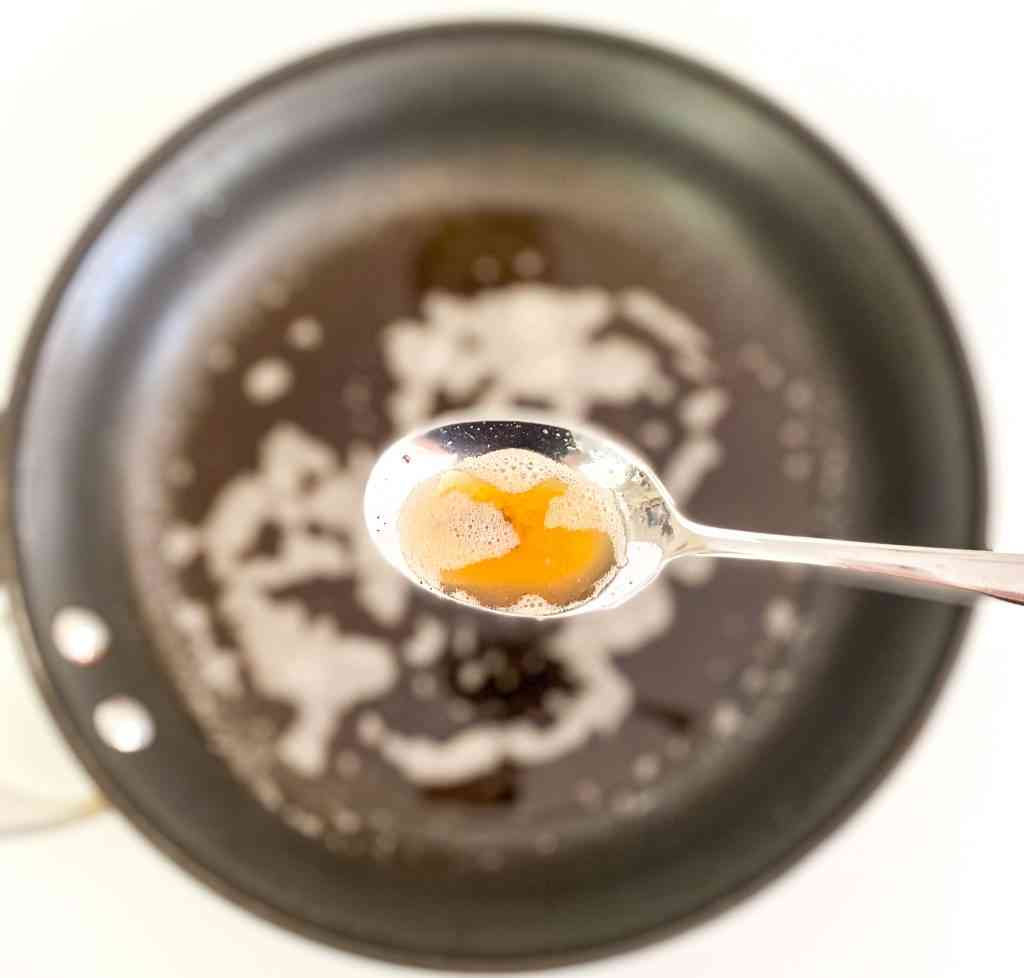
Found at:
(925, 99)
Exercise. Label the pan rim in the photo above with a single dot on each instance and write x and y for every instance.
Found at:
(681, 64)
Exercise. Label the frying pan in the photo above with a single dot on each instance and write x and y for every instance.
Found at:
(359, 189)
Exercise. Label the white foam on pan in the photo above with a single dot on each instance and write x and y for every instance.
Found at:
(690, 466)
(704, 408)
(701, 451)
(780, 619)
(799, 395)
(300, 659)
(180, 545)
(218, 666)
(673, 328)
(291, 655)
(584, 647)
(305, 333)
(427, 643)
(497, 345)
(604, 701)
(268, 380)
(726, 719)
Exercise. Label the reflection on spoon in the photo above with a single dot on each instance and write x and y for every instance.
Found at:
(531, 519)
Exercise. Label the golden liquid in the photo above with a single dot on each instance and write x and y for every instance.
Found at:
(560, 565)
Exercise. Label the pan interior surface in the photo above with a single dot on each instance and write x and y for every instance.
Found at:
(487, 218)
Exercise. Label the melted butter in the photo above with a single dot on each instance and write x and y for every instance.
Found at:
(560, 565)
(513, 529)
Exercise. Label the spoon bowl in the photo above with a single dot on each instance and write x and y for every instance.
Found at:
(655, 530)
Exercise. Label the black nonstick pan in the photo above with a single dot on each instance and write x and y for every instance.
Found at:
(481, 216)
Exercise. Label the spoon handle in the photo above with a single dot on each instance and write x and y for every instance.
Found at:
(978, 571)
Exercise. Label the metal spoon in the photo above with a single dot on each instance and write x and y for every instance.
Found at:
(656, 531)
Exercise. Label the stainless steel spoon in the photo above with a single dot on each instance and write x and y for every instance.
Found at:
(655, 529)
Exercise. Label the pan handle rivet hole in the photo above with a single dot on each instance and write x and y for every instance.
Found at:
(124, 724)
(81, 636)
